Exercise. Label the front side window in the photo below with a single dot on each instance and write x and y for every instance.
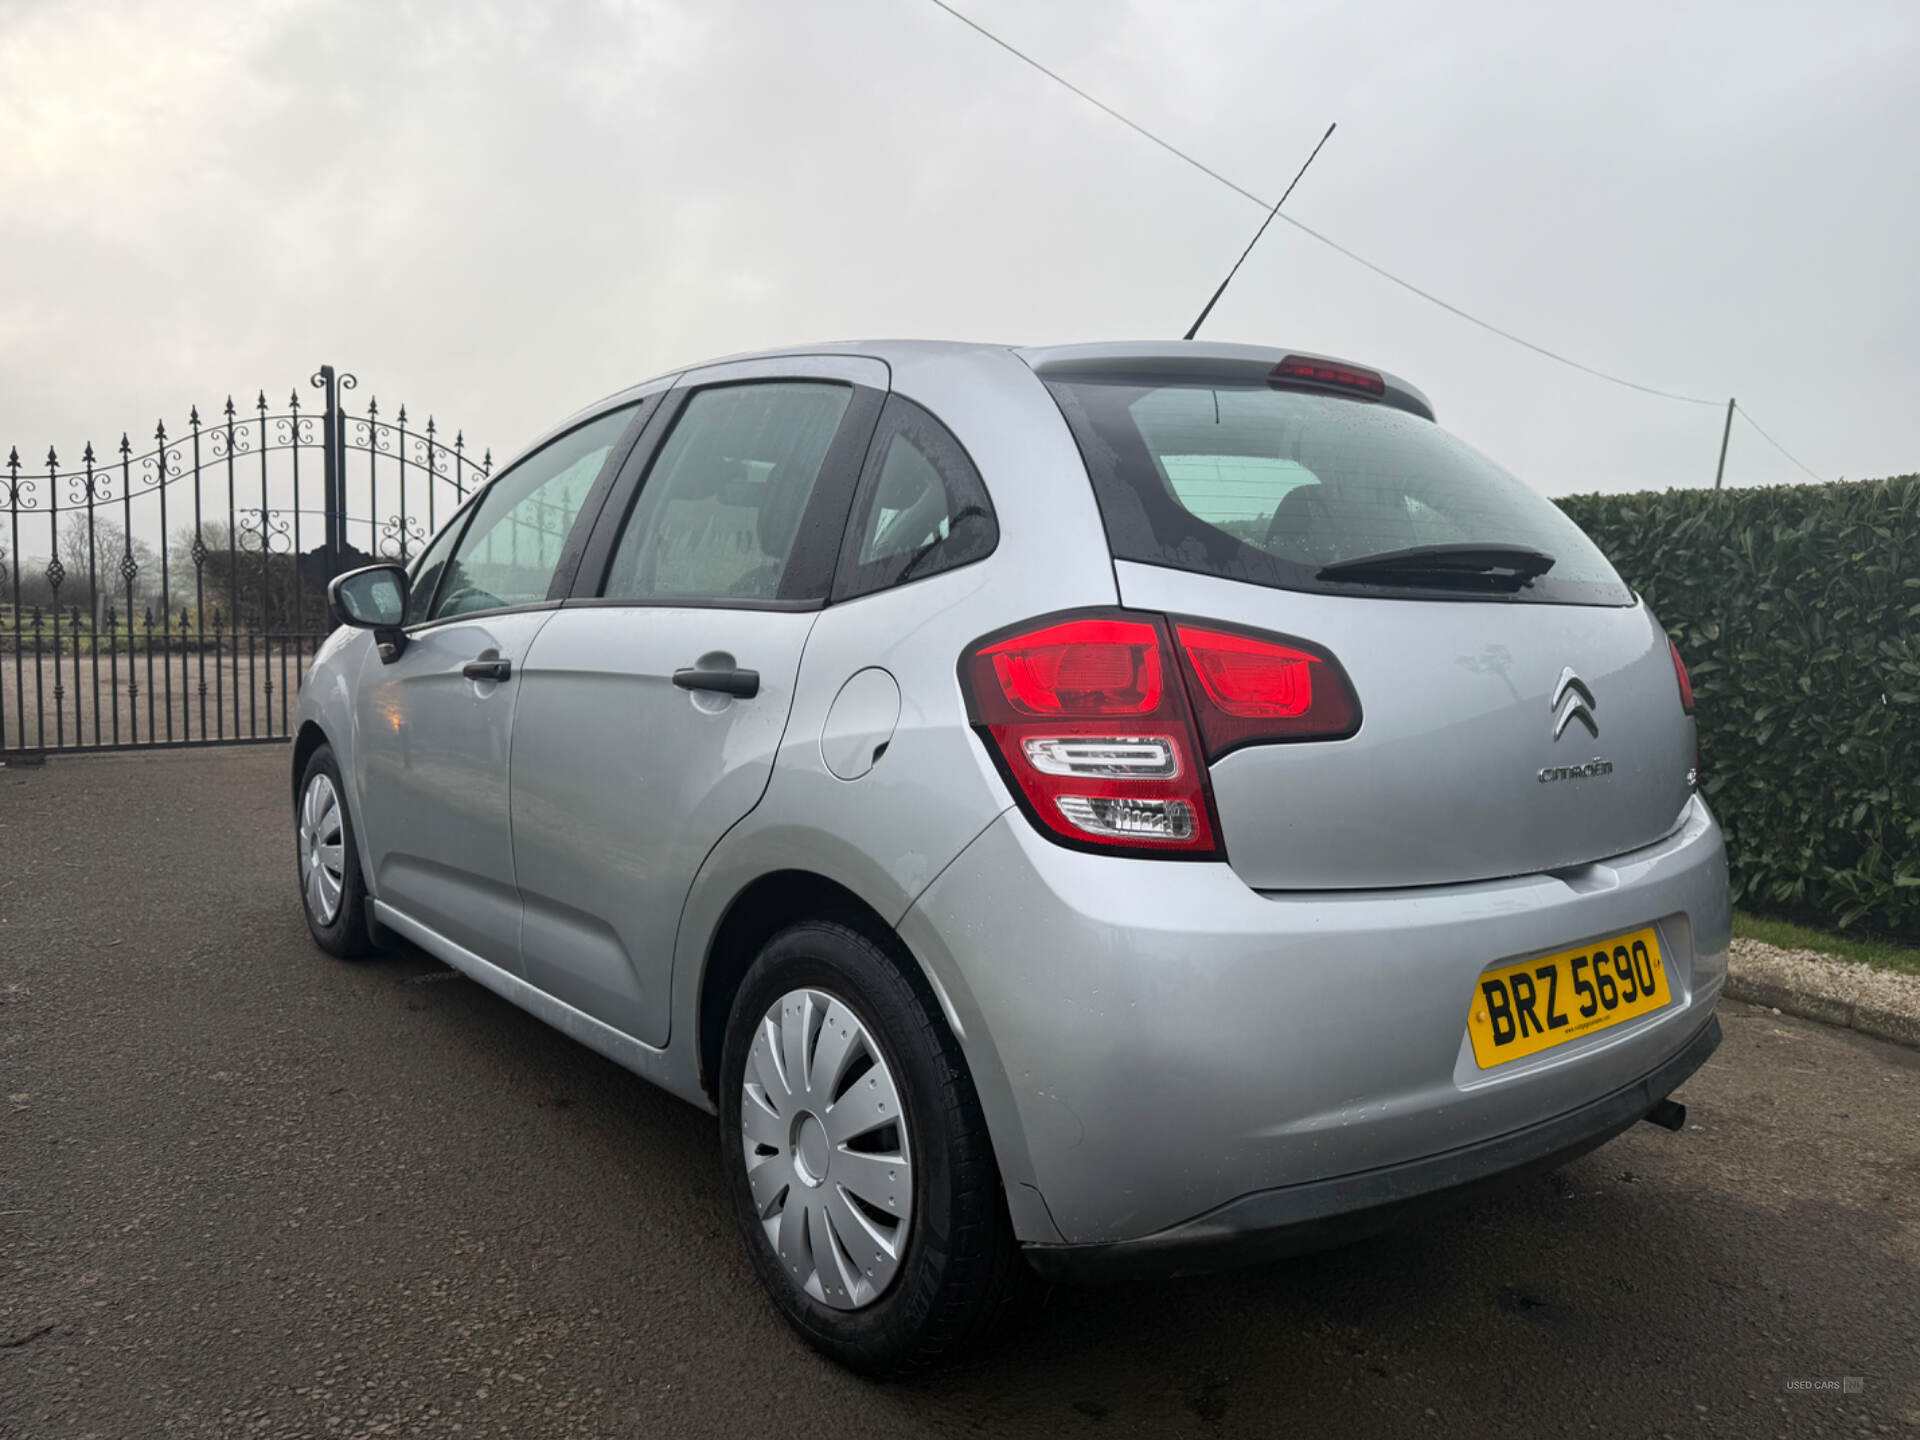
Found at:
(1271, 486)
(429, 565)
(920, 508)
(719, 514)
(509, 553)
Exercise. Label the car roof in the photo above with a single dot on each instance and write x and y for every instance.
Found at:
(1167, 360)
(1169, 357)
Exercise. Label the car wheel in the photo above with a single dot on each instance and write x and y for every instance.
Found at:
(331, 890)
(858, 1160)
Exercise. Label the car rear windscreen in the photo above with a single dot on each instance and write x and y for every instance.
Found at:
(1270, 486)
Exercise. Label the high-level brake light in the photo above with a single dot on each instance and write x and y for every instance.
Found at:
(1328, 372)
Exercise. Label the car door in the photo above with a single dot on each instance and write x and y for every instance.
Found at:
(434, 723)
(652, 704)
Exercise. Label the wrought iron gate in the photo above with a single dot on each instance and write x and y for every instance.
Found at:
(175, 597)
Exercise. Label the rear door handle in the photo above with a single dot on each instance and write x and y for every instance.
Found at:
(487, 669)
(741, 684)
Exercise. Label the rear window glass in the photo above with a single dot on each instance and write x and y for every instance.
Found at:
(1269, 486)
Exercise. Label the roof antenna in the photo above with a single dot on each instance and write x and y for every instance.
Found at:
(1251, 243)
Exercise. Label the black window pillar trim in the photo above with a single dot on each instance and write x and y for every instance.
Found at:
(457, 523)
(644, 408)
(817, 547)
(579, 537)
(898, 416)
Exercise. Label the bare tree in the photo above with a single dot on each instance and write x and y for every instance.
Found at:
(207, 581)
(235, 579)
(94, 560)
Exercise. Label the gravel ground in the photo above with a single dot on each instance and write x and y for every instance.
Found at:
(1819, 987)
(246, 1190)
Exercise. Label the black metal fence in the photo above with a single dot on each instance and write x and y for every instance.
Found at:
(176, 597)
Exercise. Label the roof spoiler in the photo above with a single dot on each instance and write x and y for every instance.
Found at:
(1248, 366)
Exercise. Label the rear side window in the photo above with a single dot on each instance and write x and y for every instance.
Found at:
(719, 515)
(1268, 486)
(920, 507)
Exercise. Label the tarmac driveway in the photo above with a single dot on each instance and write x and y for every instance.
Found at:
(249, 1190)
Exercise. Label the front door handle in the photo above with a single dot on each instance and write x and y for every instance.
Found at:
(741, 684)
(487, 669)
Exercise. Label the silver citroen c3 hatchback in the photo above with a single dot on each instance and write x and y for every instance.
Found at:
(1097, 810)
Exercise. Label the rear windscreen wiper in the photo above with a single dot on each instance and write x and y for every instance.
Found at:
(1474, 566)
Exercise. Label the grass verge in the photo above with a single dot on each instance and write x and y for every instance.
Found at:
(1880, 954)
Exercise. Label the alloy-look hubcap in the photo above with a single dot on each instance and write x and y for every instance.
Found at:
(321, 857)
(825, 1138)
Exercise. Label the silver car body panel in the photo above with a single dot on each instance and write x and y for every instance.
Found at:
(886, 834)
(328, 698)
(646, 1060)
(1148, 1039)
(622, 781)
(1172, 1040)
(432, 773)
(1442, 782)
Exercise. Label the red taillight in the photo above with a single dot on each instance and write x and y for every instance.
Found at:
(1252, 688)
(1104, 726)
(1092, 729)
(1329, 372)
(1081, 667)
(1680, 673)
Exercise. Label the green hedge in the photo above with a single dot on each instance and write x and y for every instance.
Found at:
(1797, 610)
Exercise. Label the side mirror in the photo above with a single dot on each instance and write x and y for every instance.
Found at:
(373, 599)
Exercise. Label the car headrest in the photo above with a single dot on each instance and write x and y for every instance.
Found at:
(1300, 528)
(788, 488)
(902, 482)
(714, 477)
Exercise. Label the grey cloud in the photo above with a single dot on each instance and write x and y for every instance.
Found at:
(500, 211)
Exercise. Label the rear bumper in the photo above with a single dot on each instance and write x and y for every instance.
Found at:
(1294, 1219)
(1153, 1041)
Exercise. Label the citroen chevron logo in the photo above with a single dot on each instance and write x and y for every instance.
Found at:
(1572, 700)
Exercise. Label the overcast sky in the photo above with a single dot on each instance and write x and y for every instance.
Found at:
(501, 211)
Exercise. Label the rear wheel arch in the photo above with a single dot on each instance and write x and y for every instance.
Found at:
(762, 910)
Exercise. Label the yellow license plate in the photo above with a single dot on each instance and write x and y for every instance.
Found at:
(1525, 1008)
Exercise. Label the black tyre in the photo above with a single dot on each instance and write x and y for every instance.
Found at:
(331, 890)
(858, 1160)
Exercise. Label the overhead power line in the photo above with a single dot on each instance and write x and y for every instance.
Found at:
(1773, 442)
(1335, 245)
(1488, 325)
(1102, 105)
